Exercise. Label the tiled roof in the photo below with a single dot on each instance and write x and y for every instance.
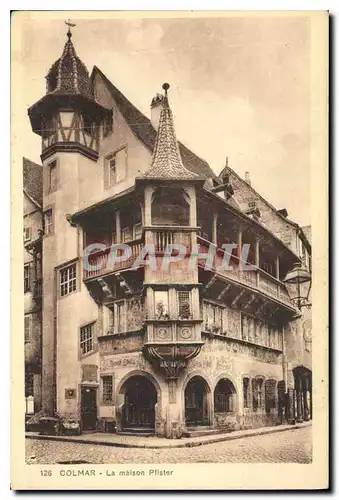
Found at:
(68, 75)
(32, 180)
(166, 160)
(143, 129)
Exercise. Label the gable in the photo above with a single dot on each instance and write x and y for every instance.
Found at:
(143, 129)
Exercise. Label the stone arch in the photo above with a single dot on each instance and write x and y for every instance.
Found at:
(138, 407)
(197, 403)
(232, 387)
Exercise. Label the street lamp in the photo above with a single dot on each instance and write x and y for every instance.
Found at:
(298, 284)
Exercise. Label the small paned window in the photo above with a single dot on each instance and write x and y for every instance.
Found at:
(86, 339)
(107, 389)
(184, 305)
(68, 280)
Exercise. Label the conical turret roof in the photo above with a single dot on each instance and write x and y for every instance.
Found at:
(69, 75)
(166, 160)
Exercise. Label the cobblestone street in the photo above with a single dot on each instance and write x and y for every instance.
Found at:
(288, 446)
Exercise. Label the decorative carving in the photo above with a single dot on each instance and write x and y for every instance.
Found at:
(89, 373)
(106, 289)
(172, 367)
(185, 333)
(120, 345)
(162, 333)
(70, 393)
(108, 363)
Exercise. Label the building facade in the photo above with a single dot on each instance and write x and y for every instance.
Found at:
(145, 329)
(32, 227)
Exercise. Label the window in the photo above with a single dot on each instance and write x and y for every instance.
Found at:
(86, 339)
(184, 305)
(68, 280)
(107, 389)
(271, 397)
(27, 328)
(213, 316)
(111, 170)
(27, 281)
(107, 127)
(161, 304)
(27, 233)
(137, 231)
(257, 393)
(246, 392)
(126, 235)
(115, 167)
(48, 222)
(52, 177)
(224, 396)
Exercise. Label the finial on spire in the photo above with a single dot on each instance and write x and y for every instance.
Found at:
(166, 86)
(70, 25)
(226, 164)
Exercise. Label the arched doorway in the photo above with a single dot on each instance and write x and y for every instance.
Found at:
(197, 402)
(140, 397)
(224, 397)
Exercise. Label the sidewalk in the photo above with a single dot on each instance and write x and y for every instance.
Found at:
(101, 438)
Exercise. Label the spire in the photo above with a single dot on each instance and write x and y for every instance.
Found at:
(166, 160)
(69, 75)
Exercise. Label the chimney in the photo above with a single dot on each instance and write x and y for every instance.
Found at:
(247, 178)
(157, 105)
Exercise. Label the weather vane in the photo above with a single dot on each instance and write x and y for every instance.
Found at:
(70, 25)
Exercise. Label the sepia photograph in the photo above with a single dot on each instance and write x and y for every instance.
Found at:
(167, 275)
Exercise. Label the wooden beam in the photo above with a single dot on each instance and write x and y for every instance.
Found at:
(237, 298)
(224, 291)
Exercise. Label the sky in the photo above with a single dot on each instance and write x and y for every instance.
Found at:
(239, 88)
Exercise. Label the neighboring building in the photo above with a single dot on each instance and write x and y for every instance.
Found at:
(32, 225)
(173, 347)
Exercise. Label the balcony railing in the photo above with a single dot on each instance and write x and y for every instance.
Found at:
(101, 262)
(256, 278)
(162, 237)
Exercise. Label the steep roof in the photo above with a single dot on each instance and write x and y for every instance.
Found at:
(32, 180)
(166, 159)
(143, 129)
(69, 75)
(227, 168)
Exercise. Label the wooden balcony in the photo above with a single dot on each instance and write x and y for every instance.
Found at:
(256, 279)
(103, 262)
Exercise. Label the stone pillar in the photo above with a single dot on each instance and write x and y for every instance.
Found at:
(290, 406)
(117, 227)
(239, 244)
(299, 400)
(215, 228)
(174, 426)
(306, 400)
(148, 205)
(277, 268)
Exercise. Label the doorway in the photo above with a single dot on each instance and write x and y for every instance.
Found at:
(88, 408)
(196, 402)
(140, 400)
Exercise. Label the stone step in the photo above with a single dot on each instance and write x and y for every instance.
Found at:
(137, 431)
(203, 432)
